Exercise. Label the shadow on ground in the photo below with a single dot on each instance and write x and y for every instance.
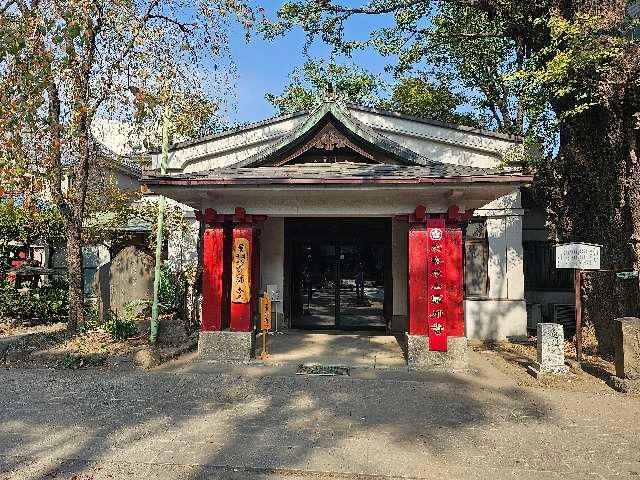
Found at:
(222, 424)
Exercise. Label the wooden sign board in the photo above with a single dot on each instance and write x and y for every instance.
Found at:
(579, 256)
(265, 312)
(240, 277)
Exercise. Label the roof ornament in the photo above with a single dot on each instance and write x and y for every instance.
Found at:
(330, 94)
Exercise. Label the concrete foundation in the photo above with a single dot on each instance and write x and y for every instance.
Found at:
(225, 346)
(419, 357)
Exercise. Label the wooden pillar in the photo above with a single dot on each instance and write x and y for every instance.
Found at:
(418, 271)
(455, 288)
(212, 278)
(242, 286)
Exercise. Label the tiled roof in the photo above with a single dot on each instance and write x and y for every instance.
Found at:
(341, 172)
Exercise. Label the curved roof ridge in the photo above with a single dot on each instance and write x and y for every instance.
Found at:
(355, 126)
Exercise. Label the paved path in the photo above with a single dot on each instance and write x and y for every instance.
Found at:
(357, 349)
(263, 422)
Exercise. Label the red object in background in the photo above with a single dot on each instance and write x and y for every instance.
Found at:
(437, 298)
(455, 291)
(418, 294)
(241, 319)
(17, 261)
(212, 278)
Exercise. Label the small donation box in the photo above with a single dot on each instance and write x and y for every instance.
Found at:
(579, 256)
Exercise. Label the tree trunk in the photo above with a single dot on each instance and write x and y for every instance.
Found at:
(76, 278)
(596, 201)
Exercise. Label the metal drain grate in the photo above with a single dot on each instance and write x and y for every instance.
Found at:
(322, 370)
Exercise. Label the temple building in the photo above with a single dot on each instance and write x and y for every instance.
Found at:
(355, 219)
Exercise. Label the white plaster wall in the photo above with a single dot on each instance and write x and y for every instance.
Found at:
(514, 257)
(399, 267)
(504, 233)
(272, 253)
(495, 319)
(504, 313)
(496, 234)
(182, 246)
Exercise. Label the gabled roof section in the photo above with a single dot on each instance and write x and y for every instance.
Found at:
(331, 113)
(341, 174)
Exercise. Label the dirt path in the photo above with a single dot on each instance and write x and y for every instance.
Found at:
(261, 422)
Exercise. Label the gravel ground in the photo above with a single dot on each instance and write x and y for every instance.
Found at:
(259, 422)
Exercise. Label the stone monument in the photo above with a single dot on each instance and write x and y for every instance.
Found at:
(626, 340)
(550, 351)
(131, 278)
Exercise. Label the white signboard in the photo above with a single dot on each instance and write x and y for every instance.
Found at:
(274, 292)
(582, 256)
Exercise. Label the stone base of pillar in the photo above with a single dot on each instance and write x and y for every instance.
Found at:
(419, 357)
(224, 346)
(539, 371)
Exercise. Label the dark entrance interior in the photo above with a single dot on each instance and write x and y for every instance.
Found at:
(338, 273)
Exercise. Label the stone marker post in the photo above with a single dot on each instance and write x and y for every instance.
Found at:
(626, 340)
(550, 351)
(626, 337)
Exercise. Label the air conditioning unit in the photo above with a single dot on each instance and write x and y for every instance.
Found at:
(534, 315)
(564, 314)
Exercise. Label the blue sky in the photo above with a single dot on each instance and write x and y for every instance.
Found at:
(263, 66)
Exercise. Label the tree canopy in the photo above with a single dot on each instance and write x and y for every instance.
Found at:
(411, 95)
(63, 64)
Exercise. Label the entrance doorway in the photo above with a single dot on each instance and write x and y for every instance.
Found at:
(339, 274)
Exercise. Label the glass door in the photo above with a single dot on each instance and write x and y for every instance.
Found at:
(361, 286)
(338, 286)
(314, 302)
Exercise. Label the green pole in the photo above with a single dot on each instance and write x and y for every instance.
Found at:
(160, 225)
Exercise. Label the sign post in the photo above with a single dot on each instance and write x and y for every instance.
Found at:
(579, 257)
(265, 323)
(274, 294)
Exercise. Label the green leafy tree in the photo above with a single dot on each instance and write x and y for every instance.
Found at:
(419, 97)
(63, 63)
(411, 95)
(525, 60)
(309, 83)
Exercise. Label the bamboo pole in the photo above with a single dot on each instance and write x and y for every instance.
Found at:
(153, 335)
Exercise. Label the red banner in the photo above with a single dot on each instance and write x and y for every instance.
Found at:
(436, 284)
